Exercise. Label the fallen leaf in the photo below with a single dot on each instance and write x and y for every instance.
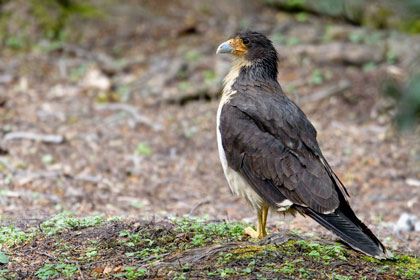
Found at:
(97, 270)
(95, 79)
(107, 270)
(118, 268)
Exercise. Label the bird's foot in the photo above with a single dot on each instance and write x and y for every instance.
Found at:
(255, 234)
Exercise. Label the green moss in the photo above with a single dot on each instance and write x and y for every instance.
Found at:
(408, 266)
(290, 5)
(370, 259)
(411, 26)
(24, 23)
(384, 17)
(230, 231)
(404, 265)
(248, 252)
(63, 10)
(379, 18)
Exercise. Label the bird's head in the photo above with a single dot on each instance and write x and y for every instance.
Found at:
(255, 53)
(252, 46)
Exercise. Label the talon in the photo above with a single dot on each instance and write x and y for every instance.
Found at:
(262, 219)
(255, 234)
(251, 232)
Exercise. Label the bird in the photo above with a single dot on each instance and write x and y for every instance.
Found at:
(269, 151)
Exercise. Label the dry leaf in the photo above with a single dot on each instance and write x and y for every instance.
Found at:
(95, 79)
(97, 270)
(118, 268)
(107, 270)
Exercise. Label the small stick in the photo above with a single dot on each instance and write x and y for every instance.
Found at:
(153, 257)
(328, 91)
(137, 117)
(47, 138)
(100, 261)
(80, 271)
(198, 204)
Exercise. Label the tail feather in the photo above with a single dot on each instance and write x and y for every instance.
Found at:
(344, 223)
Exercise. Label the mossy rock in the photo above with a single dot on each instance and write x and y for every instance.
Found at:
(400, 15)
(23, 23)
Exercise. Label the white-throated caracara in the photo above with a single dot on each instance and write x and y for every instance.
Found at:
(269, 152)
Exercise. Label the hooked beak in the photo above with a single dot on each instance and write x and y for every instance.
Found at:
(225, 47)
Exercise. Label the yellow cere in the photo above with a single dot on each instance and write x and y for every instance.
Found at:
(238, 45)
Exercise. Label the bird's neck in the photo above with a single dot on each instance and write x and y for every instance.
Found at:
(265, 69)
(245, 73)
(237, 66)
(262, 70)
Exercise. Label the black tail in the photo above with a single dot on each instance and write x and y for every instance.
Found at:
(344, 223)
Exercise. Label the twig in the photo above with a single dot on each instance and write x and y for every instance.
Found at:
(86, 178)
(101, 261)
(38, 174)
(46, 254)
(327, 91)
(198, 204)
(179, 263)
(336, 52)
(29, 176)
(153, 257)
(132, 111)
(80, 271)
(198, 254)
(124, 258)
(334, 265)
(47, 138)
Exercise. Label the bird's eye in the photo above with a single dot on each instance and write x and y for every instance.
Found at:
(245, 41)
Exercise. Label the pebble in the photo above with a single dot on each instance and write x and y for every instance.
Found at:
(407, 222)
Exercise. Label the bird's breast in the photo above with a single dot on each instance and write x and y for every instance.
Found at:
(238, 185)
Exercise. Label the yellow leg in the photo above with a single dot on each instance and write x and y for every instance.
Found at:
(262, 220)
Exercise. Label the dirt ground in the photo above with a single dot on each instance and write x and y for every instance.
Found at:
(136, 103)
(65, 247)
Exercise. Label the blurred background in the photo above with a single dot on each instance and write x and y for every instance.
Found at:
(109, 106)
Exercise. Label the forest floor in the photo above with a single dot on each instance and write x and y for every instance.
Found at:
(98, 248)
(123, 124)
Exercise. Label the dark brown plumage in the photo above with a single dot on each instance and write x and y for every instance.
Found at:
(269, 150)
